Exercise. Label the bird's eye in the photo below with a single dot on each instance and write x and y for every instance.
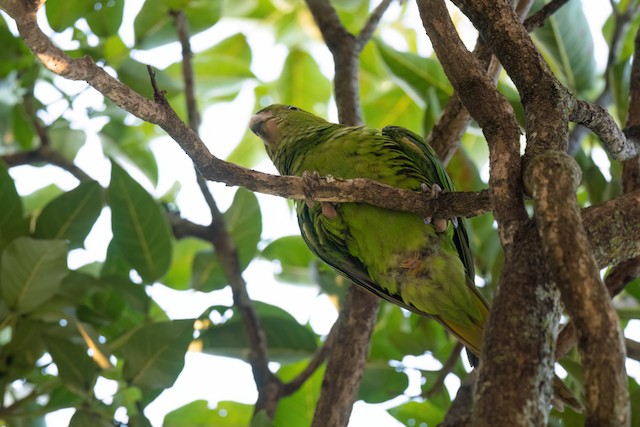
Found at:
(292, 108)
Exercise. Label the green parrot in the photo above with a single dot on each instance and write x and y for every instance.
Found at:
(420, 264)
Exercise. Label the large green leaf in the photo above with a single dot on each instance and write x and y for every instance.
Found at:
(65, 140)
(294, 259)
(154, 354)
(184, 254)
(75, 367)
(12, 224)
(62, 14)
(31, 272)
(220, 70)
(418, 413)
(382, 382)
(154, 25)
(105, 17)
(302, 84)
(288, 339)
(71, 215)
(298, 409)
(414, 73)
(140, 229)
(198, 414)
(85, 418)
(244, 223)
(566, 43)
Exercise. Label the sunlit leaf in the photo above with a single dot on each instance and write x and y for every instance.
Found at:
(566, 43)
(106, 17)
(31, 272)
(71, 215)
(298, 409)
(302, 84)
(62, 14)
(75, 367)
(381, 383)
(294, 259)
(140, 229)
(154, 355)
(198, 414)
(154, 25)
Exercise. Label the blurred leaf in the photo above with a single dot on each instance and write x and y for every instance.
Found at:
(140, 229)
(381, 383)
(116, 263)
(62, 14)
(244, 224)
(418, 413)
(12, 224)
(219, 70)
(23, 130)
(566, 43)
(75, 367)
(302, 84)
(135, 75)
(71, 215)
(414, 73)
(37, 200)
(248, 152)
(14, 55)
(154, 25)
(620, 79)
(65, 140)
(154, 354)
(105, 17)
(82, 418)
(198, 414)
(184, 254)
(31, 272)
(129, 144)
(294, 259)
(288, 340)
(298, 408)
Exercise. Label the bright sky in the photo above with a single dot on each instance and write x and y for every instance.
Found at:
(209, 377)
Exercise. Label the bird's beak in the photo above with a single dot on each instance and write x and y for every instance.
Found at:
(264, 125)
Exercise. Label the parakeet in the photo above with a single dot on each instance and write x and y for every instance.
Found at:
(399, 256)
(422, 265)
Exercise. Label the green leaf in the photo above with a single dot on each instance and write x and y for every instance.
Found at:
(298, 408)
(140, 229)
(566, 43)
(62, 14)
(184, 255)
(294, 259)
(414, 73)
(75, 367)
(65, 140)
(31, 272)
(105, 17)
(220, 70)
(37, 200)
(244, 223)
(154, 354)
(154, 25)
(135, 75)
(83, 418)
(381, 383)
(71, 215)
(12, 223)
(248, 152)
(288, 340)
(302, 84)
(198, 414)
(418, 413)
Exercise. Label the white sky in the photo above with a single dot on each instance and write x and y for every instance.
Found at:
(208, 377)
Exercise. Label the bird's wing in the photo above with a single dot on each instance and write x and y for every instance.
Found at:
(328, 244)
(427, 160)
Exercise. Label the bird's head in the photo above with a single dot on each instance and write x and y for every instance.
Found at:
(282, 126)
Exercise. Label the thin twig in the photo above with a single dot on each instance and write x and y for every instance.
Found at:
(446, 369)
(372, 23)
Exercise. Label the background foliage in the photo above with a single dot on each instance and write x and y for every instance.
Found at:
(62, 328)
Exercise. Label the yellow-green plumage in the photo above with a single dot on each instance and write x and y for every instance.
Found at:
(396, 255)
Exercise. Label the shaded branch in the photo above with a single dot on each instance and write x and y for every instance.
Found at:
(446, 369)
(370, 26)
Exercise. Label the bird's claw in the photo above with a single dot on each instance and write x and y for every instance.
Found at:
(440, 224)
(311, 182)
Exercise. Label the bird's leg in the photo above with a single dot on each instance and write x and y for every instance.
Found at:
(440, 224)
(311, 181)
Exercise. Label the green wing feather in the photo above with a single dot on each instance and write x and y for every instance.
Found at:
(426, 158)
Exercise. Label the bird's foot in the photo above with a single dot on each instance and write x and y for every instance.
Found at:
(440, 224)
(311, 182)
